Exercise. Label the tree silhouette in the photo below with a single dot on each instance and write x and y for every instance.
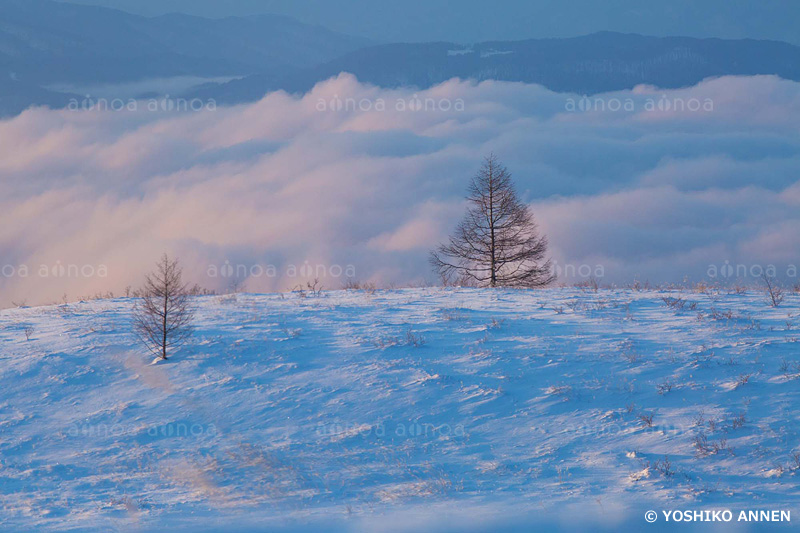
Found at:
(162, 317)
(497, 244)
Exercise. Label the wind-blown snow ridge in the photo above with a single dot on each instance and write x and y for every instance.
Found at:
(357, 406)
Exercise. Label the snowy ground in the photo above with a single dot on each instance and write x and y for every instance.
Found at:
(411, 409)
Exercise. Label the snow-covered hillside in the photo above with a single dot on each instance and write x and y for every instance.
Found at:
(407, 409)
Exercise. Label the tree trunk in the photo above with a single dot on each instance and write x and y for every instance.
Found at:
(164, 331)
(493, 264)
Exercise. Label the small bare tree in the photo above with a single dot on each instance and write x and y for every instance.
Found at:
(162, 317)
(775, 293)
(497, 244)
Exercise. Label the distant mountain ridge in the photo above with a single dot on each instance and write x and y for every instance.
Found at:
(591, 64)
(47, 41)
(46, 45)
(471, 21)
(44, 42)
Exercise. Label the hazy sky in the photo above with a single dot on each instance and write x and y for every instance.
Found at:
(477, 20)
(646, 193)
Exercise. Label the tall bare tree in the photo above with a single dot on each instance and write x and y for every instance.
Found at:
(163, 316)
(497, 244)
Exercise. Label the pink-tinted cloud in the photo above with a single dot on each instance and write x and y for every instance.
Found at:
(298, 181)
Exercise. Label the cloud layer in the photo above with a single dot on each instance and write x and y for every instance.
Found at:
(647, 184)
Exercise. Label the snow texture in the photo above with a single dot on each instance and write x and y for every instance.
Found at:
(417, 409)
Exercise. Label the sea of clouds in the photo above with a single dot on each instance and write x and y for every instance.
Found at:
(351, 180)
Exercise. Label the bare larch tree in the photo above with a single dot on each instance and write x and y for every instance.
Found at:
(163, 316)
(497, 244)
